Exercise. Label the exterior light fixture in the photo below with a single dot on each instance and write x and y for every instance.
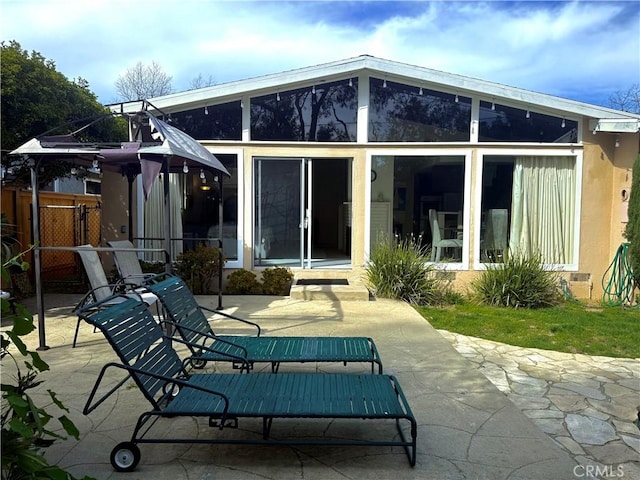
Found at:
(206, 110)
(563, 124)
(617, 141)
(202, 177)
(493, 106)
(384, 83)
(205, 187)
(420, 91)
(313, 89)
(185, 167)
(241, 103)
(351, 82)
(278, 96)
(457, 99)
(528, 115)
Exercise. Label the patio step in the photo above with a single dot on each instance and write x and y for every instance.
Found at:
(336, 287)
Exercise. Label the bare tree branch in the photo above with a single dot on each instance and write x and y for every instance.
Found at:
(627, 100)
(201, 82)
(143, 82)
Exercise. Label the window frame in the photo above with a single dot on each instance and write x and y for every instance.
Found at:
(467, 154)
(481, 153)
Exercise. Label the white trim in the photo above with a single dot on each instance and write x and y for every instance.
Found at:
(548, 152)
(362, 134)
(466, 153)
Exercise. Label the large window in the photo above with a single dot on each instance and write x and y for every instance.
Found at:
(213, 122)
(528, 207)
(499, 123)
(319, 113)
(424, 198)
(404, 113)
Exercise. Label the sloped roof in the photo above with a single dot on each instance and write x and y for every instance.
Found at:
(392, 71)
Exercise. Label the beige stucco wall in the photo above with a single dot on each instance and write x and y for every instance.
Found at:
(115, 212)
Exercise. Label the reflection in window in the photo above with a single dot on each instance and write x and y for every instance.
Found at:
(426, 195)
(320, 113)
(499, 123)
(403, 113)
(213, 122)
(528, 207)
(202, 201)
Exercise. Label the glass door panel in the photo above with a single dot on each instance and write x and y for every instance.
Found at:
(280, 212)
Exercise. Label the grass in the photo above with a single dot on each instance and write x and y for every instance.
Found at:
(570, 327)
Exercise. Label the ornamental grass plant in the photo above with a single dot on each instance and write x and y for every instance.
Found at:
(399, 269)
(519, 282)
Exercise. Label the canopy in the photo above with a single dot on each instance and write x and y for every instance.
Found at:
(154, 146)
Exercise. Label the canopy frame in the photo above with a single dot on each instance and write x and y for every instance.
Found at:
(154, 147)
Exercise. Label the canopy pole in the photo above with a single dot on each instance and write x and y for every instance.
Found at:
(37, 264)
(220, 243)
(131, 177)
(167, 215)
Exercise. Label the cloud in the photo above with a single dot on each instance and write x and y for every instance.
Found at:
(582, 50)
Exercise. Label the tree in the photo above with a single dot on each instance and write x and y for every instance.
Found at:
(201, 82)
(36, 98)
(627, 100)
(143, 82)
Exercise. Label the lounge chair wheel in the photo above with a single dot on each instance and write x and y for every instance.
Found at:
(171, 388)
(198, 363)
(125, 456)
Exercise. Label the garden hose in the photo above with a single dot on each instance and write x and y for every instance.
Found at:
(618, 290)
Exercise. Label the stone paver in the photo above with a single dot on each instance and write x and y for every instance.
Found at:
(589, 405)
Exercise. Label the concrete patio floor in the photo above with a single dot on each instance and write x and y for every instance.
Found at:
(467, 428)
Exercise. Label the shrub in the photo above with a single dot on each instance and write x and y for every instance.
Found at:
(520, 281)
(243, 282)
(152, 267)
(632, 230)
(199, 268)
(277, 281)
(26, 430)
(399, 270)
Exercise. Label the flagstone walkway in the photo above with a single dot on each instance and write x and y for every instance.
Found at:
(589, 405)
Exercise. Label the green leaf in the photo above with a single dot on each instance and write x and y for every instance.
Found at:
(69, 426)
(60, 405)
(23, 326)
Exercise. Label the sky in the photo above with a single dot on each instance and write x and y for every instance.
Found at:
(581, 50)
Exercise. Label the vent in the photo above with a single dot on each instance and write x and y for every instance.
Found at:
(579, 277)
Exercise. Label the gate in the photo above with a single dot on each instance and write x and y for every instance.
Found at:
(67, 226)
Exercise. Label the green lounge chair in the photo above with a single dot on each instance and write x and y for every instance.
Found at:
(182, 309)
(147, 357)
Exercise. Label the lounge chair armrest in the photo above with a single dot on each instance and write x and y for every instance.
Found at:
(233, 317)
(242, 359)
(90, 298)
(89, 407)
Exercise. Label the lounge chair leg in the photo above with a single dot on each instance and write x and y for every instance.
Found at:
(266, 427)
(75, 335)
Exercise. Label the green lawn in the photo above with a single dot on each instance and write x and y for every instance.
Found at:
(570, 327)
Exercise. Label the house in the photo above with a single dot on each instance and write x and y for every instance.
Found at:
(327, 160)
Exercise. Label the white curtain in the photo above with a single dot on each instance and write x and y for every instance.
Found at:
(154, 217)
(543, 208)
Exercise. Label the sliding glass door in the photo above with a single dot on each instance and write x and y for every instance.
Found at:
(299, 205)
